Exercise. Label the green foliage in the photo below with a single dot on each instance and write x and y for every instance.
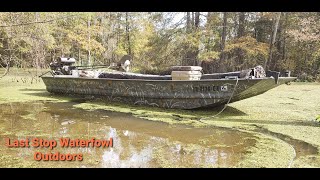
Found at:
(253, 52)
(79, 36)
(209, 55)
(159, 40)
(249, 45)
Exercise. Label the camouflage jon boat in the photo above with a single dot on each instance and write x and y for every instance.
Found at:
(161, 91)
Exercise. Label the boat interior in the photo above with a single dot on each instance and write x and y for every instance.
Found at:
(63, 67)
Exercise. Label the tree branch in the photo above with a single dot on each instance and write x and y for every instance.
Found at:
(6, 68)
(37, 22)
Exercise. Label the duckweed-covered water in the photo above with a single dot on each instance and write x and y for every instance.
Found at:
(136, 142)
(275, 129)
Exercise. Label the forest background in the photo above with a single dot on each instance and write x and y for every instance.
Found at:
(217, 41)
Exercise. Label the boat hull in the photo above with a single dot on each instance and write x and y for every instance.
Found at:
(163, 93)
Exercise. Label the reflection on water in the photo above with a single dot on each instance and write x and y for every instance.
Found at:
(136, 142)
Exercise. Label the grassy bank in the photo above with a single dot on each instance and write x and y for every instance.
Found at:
(25, 85)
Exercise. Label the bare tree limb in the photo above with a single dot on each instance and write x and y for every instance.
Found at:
(273, 39)
(7, 70)
(36, 22)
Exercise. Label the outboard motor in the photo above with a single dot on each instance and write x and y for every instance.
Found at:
(63, 66)
(123, 64)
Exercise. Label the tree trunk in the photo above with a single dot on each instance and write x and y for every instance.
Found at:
(209, 17)
(79, 56)
(241, 29)
(284, 57)
(104, 37)
(192, 19)
(188, 23)
(196, 48)
(272, 39)
(89, 39)
(8, 63)
(37, 55)
(224, 32)
(241, 32)
(128, 34)
(118, 28)
(236, 24)
(9, 59)
(197, 20)
(194, 51)
(185, 60)
(208, 43)
(223, 42)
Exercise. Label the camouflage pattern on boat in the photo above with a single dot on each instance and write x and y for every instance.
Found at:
(164, 93)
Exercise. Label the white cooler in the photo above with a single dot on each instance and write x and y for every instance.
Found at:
(186, 75)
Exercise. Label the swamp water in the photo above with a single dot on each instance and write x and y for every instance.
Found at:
(136, 142)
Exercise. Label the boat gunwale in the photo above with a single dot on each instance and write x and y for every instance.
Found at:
(151, 80)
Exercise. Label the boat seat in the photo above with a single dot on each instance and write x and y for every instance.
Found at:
(123, 75)
(186, 68)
